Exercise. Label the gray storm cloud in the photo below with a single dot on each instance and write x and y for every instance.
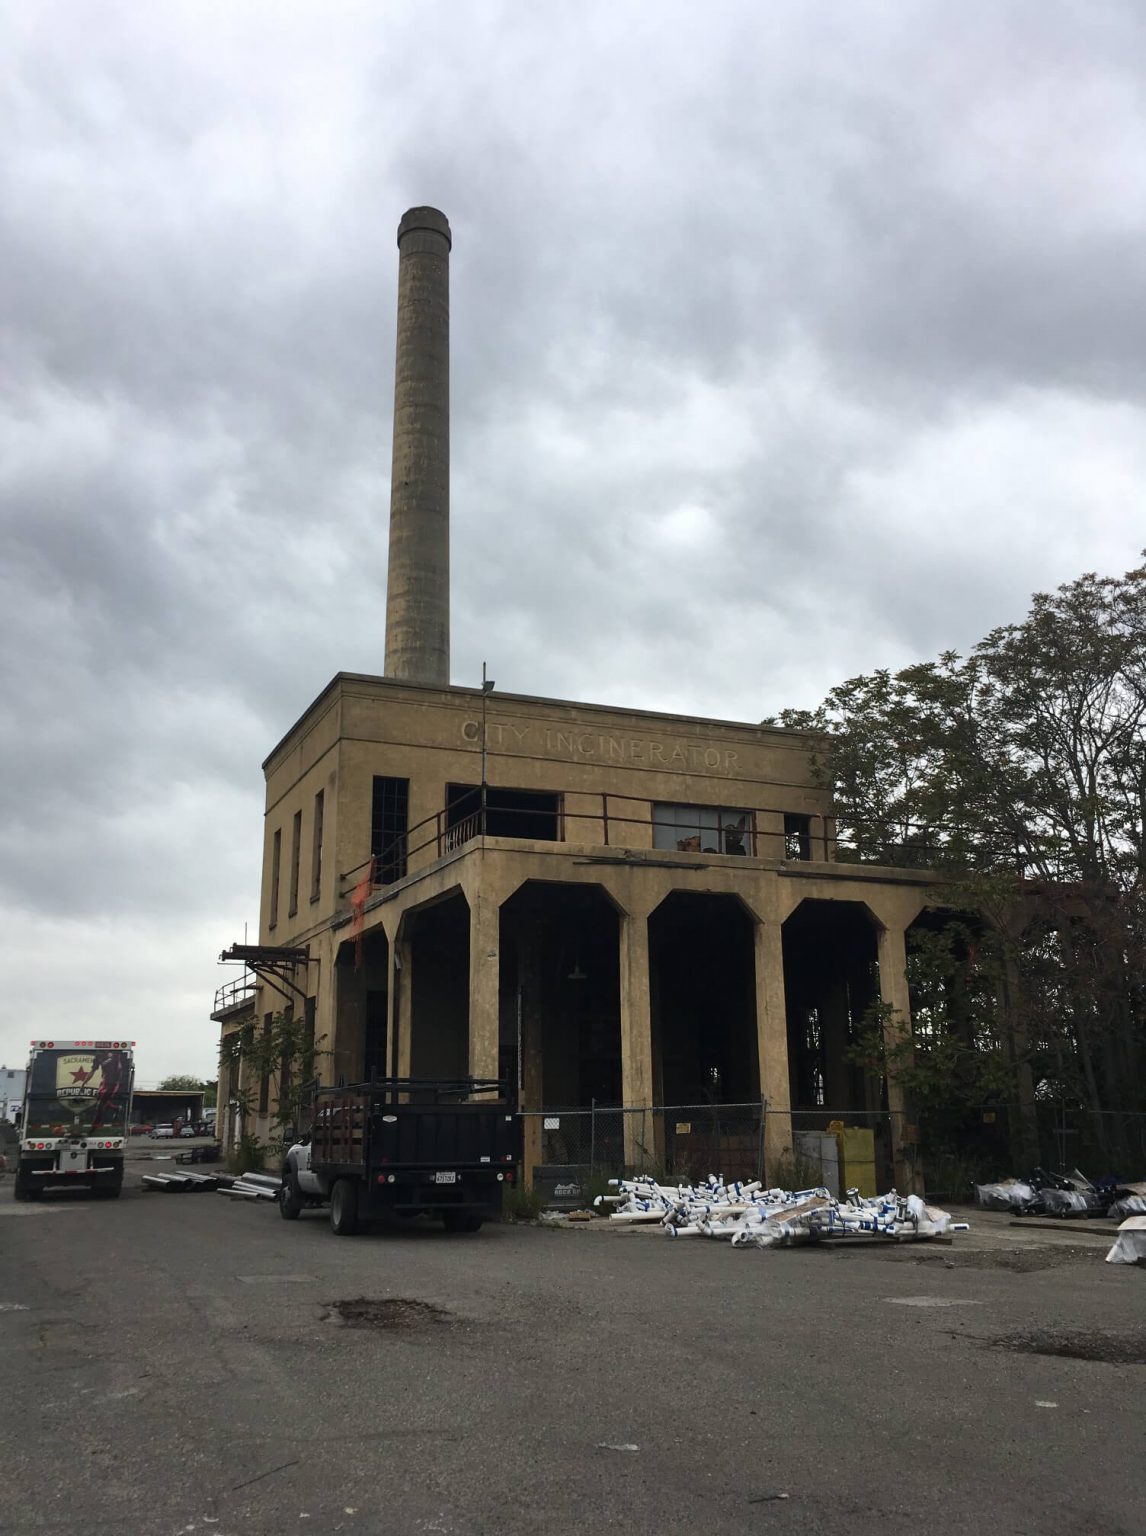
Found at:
(787, 342)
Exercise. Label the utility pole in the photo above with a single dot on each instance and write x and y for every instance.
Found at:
(487, 686)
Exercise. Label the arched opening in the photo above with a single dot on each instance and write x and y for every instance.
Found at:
(361, 980)
(702, 983)
(438, 939)
(831, 982)
(560, 995)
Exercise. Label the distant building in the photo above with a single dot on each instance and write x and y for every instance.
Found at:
(11, 1092)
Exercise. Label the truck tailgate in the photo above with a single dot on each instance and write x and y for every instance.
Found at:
(443, 1135)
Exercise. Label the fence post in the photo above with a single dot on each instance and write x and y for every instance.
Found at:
(592, 1137)
(760, 1141)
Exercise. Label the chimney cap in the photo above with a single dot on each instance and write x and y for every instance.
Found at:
(425, 218)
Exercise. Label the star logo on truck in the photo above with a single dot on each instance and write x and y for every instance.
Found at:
(80, 1076)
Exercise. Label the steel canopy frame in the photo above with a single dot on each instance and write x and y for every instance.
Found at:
(273, 963)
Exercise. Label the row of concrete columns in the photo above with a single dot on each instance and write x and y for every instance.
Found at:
(637, 1066)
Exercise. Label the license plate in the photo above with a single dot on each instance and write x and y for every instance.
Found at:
(445, 1178)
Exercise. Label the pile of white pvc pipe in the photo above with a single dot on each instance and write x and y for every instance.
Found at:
(746, 1214)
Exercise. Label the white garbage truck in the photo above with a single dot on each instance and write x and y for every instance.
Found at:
(75, 1118)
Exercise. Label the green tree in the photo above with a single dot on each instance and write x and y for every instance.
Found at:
(1017, 773)
(181, 1082)
(284, 1052)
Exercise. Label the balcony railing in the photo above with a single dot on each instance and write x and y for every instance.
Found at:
(232, 994)
(627, 823)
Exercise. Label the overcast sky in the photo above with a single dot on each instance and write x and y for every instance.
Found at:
(789, 341)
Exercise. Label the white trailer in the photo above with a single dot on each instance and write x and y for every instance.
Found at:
(76, 1115)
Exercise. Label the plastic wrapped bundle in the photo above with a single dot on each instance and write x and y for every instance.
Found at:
(1010, 1195)
(1129, 1205)
(1130, 1244)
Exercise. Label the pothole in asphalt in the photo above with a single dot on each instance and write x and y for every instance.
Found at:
(395, 1314)
(1078, 1344)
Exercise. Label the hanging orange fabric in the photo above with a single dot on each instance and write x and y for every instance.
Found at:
(358, 907)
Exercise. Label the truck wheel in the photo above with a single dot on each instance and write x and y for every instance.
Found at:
(108, 1191)
(290, 1198)
(344, 1208)
(22, 1190)
(461, 1221)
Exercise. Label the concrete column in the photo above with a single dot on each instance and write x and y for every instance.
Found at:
(532, 1064)
(897, 1029)
(418, 576)
(402, 1003)
(772, 1045)
(485, 971)
(349, 1023)
(636, 1040)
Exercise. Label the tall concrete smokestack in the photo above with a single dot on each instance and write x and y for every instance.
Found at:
(418, 579)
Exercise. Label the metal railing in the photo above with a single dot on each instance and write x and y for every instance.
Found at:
(628, 823)
(607, 819)
(233, 993)
(687, 1142)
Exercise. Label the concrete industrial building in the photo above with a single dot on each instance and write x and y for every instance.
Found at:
(599, 905)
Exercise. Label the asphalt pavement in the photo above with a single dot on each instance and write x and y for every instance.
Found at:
(177, 1363)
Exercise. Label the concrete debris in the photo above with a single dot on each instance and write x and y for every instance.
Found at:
(747, 1215)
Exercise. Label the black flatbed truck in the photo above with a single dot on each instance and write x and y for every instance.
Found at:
(406, 1147)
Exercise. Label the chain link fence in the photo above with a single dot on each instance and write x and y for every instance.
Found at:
(574, 1152)
(997, 1140)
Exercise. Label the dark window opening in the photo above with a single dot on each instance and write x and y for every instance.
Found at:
(276, 860)
(295, 851)
(797, 836)
(524, 813)
(703, 829)
(316, 848)
(388, 825)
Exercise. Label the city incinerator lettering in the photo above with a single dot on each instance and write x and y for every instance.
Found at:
(597, 747)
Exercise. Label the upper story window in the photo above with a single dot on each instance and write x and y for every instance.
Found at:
(703, 829)
(295, 854)
(316, 848)
(388, 828)
(525, 813)
(276, 863)
(797, 836)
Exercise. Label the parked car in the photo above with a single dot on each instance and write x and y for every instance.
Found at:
(188, 1131)
(162, 1132)
(142, 1130)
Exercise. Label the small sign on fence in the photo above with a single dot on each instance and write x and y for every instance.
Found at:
(551, 1123)
(684, 1128)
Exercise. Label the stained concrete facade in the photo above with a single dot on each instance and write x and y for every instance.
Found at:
(458, 948)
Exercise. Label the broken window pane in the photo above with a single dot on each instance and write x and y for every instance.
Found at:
(702, 829)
